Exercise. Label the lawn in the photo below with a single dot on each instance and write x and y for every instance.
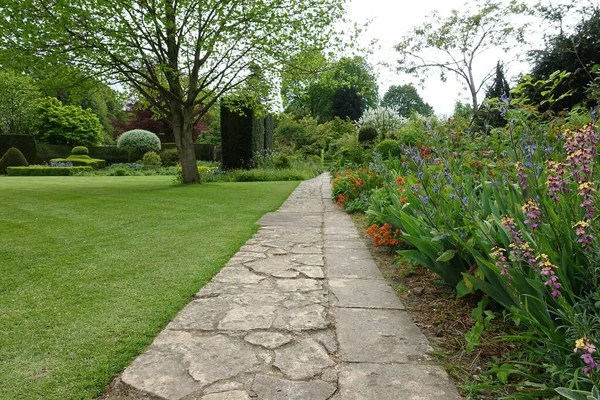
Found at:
(91, 268)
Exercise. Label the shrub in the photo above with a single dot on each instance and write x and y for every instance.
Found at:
(80, 151)
(68, 125)
(367, 134)
(138, 140)
(386, 120)
(282, 162)
(81, 160)
(389, 148)
(42, 170)
(12, 158)
(25, 144)
(151, 159)
(169, 157)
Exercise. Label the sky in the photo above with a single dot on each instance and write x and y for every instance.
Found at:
(392, 19)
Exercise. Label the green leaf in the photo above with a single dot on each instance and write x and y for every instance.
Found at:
(462, 290)
(447, 256)
(572, 394)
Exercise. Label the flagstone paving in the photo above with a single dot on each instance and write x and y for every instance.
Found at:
(300, 312)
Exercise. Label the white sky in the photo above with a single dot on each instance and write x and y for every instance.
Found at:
(392, 19)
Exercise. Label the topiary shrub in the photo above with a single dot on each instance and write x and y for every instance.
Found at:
(12, 158)
(169, 157)
(367, 134)
(139, 140)
(25, 144)
(81, 160)
(151, 159)
(389, 148)
(80, 151)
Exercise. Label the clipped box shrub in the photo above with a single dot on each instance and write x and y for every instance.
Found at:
(367, 134)
(81, 160)
(12, 158)
(80, 151)
(42, 170)
(151, 159)
(25, 144)
(169, 157)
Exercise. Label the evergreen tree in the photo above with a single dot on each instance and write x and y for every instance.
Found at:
(348, 103)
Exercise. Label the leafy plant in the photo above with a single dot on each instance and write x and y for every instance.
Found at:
(139, 140)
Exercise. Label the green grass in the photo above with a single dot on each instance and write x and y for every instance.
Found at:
(91, 268)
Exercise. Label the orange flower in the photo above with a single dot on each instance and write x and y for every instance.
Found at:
(404, 200)
(400, 180)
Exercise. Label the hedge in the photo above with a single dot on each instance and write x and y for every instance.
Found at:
(82, 161)
(25, 144)
(41, 170)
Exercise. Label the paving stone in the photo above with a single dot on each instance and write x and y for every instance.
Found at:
(363, 293)
(395, 381)
(244, 257)
(248, 318)
(341, 254)
(201, 314)
(330, 375)
(269, 340)
(311, 272)
(225, 386)
(271, 266)
(303, 360)
(327, 339)
(293, 219)
(301, 319)
(237, 275)
(299, 285)
(340, 267)
(160, 373)
(307, 249)
(308, 259)
(288, 273)
(252, 298)
(299, 300)
(272, 388)
(368, 335)
(231, 395)
(332, 243)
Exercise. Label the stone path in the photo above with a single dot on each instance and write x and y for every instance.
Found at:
(300, 312)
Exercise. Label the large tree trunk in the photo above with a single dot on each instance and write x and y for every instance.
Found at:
(182, 130)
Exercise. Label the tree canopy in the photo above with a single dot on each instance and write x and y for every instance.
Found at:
(405, 99)
(453, 44)
(188, 53)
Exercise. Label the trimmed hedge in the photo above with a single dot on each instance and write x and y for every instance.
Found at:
(42, 170)
(25, 143)
(82, 161)
(80, 151)
(12, 158)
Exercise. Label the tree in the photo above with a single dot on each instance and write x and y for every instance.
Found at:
(405, 99)
(576, 53)
(347, 102)
(315, 95)
(19, 96)
(189, 52)
(458, 40)
(67, 125)
(490, 118)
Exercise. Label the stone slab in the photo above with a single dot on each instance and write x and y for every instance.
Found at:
(201, 314)
(271, 388)
(332, 243)
(230, 395)
(339, 267)
(395, 381)
(379, 336)
(334, 254)
(363, 293)
(302, 360)
(294, 219)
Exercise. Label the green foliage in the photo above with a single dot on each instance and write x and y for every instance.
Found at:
(81, 160)
(12, 158)
(40, 170)
(138, 140)
(579, 394)
(482, 319)
(349, 83)
(282, 162)
(389, 148)
(350, 189)
(80, 151)
(169, 157)
(367, 134)
(19, 96)
(151, 159)
(25, 143)
(67, 125)
(405, 100)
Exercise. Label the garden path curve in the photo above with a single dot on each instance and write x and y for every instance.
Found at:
(300, 312)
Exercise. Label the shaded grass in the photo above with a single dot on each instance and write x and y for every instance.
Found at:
(93, 267)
